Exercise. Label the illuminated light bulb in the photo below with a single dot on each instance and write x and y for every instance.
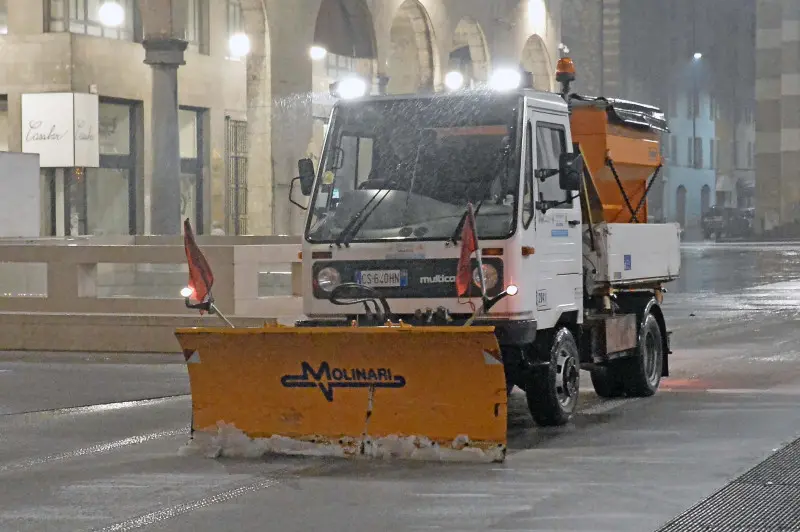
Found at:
(317, 53)
(351, 88)
(239, 45)
(506, 79)
(454, 80)
(111, 14)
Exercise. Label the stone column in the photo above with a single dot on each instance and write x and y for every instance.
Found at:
(790, 112)
(165, 56)
(768, 113)
(610, 54)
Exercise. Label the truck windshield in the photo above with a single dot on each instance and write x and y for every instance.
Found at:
(419, 162)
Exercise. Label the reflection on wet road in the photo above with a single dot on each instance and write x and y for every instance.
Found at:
(734, 282)
(728, 268)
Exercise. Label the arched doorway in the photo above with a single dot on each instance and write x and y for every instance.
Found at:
(680, 206)
(469, 54)
(413, 64)
(705, 199)
(536, 60)
(344, 42)
(344, 45)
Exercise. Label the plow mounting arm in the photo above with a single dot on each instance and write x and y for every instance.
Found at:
(353, 294)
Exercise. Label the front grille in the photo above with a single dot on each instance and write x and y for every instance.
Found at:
(440, 274)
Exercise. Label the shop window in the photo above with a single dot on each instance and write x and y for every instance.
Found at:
(3, 17)
(711, 155)
(83, 16)
(4, 133)
(192, 165)
(196, 28)
(698, 152)
(339, 66)
(115, 129)
(236, 170)
(673, 144)
(102, 201)
(235, 21)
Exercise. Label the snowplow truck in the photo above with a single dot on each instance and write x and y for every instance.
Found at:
(390, 359)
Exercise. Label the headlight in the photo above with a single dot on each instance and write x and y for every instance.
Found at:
(490, 276)
(328, 279)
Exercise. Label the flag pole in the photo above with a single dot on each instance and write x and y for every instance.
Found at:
(216, 311)
(477, 251)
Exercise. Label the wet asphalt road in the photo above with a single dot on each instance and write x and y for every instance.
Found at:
(622, 466)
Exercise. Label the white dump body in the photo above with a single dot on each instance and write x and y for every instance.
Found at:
(631, 254)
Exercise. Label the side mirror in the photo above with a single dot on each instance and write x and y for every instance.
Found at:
(570, 171)
(306, 174)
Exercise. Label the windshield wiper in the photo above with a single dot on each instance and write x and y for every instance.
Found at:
(357, 221)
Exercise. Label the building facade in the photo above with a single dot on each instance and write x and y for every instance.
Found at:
(690, 175)
(61, 46)
(778, 120)
(244, 121)
(695, 59)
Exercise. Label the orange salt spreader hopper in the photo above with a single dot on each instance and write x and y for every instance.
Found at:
(621, 143)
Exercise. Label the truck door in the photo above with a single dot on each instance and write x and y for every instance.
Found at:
(555, 231)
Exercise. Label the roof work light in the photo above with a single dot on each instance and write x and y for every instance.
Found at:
(349, 88)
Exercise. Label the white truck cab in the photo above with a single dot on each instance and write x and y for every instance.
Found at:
(386, 205)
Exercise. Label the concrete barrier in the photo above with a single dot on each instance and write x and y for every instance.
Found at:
(122, 294)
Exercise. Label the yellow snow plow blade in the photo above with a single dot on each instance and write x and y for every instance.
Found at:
(406, 392)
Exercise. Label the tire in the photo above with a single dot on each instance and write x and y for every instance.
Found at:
(607, 382)
(642, 373)
(552, 391)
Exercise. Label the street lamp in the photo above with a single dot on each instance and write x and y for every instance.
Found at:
(111, 14)
(454, 80)
(317, 53)
(239, 45)
(698, 56)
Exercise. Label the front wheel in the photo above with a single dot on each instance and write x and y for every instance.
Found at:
(552, 391)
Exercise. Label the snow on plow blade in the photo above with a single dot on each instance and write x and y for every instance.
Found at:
(420, 393)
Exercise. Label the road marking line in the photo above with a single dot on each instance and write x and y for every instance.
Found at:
(100, 448)
(155, 517)
(103, 407)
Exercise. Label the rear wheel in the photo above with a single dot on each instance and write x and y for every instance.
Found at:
(642, 373)
(607, 382)
(552, 391)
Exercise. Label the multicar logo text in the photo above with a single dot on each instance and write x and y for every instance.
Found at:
(326, 378)
(438, 279)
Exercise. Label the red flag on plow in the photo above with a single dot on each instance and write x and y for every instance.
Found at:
(200, 276)
(469, 244)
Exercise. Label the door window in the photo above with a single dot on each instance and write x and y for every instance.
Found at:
(528, 205)
(551, 142)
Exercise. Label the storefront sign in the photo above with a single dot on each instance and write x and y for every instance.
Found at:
(63, 128)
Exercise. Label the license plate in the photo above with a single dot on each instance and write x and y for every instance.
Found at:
(382, 278)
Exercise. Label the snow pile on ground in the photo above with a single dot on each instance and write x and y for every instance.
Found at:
(420, 448)
(231, 442)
